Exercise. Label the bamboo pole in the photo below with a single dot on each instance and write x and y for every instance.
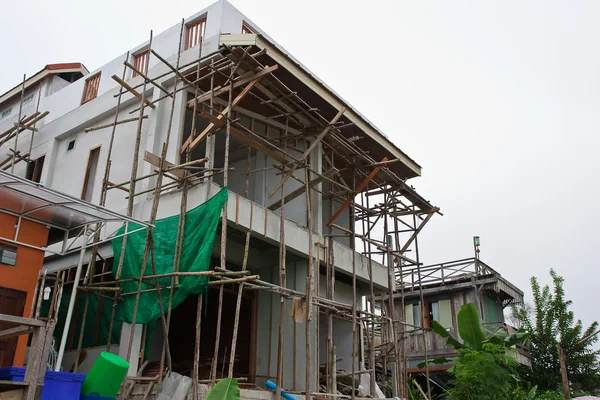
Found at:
(310, 277)
(223, 242)
(352, 246)
(12, 166)
(132, 186)
(416, 241)
(188, 156)
(371, 298)
(282, 283)
(238, 305)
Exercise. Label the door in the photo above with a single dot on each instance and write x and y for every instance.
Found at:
(12, 302)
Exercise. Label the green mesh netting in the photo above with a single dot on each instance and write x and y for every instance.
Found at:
(98, 314)
(198, 240)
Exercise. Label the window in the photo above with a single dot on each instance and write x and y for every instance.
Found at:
(5, 114)
(90, 175)
(194, 33)
(34, 169)
(90, 90)
(8, 254)
(27, 101)
(71, 145)
(139, 62)
(439, 311)
(247, 29)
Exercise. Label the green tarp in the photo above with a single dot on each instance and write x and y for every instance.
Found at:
(198, 240)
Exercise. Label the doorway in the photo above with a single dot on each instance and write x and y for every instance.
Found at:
(12, 302)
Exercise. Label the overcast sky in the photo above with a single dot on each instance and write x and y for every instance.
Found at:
(498, 101)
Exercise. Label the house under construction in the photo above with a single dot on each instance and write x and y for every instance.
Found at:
(316, 223)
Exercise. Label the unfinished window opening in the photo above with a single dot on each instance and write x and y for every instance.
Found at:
(90, 175)
(438, 310)
(34, 169)
(5, 114)
(8, 255)
(247, 29)
(194, 33)
(139, 62)
(90, 90)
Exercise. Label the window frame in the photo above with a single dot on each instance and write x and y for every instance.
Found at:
(192, 38)
(3, 247)
(29, 103)
(139, 62)
(35, 168)
(247, 29)
(96, 79)
(88, 179)
(5, 114)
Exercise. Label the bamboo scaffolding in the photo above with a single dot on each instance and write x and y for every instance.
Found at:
(379, 245)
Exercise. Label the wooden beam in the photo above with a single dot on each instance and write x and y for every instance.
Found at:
(416, 232)
(13, 319)
(359, 189)
(220, 117)
(212, 119)
(155, 160)
(323, 133)
(12, 332)
(237, 83)
(133, 91)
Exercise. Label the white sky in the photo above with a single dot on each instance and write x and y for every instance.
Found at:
(498, 101)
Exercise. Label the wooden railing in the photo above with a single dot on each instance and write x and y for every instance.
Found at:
(37, 360)
(443, 273)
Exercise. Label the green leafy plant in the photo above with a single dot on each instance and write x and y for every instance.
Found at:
(226, 389)
(484, 374)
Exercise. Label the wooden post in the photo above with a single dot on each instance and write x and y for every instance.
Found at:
(563, 371)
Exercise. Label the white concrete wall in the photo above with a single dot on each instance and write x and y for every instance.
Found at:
(92, 355)
(294, 354)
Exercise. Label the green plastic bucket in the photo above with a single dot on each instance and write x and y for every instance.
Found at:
(105, 376)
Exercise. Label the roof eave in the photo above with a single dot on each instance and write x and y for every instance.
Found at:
(311, 81)
(38, 76)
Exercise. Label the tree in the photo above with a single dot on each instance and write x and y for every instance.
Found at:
(552, 323)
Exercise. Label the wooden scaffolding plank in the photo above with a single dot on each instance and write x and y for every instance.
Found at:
(359, 189)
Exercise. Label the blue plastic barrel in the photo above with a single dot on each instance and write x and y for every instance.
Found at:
(62, 385)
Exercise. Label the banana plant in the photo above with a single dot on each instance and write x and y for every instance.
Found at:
(226, 389)
(473, 335)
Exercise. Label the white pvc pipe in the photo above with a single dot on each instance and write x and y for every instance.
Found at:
(63, 340)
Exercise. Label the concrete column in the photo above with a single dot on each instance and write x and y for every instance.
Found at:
(50, 162)
(127, 330)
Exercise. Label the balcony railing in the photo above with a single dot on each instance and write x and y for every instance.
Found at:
(435, 274)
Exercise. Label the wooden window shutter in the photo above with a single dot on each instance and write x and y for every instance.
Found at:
(90, 90)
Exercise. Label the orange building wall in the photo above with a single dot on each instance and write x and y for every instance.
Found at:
(23, 276)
